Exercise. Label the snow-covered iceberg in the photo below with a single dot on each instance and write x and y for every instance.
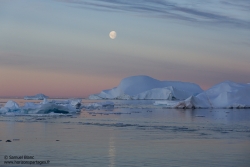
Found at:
(224, 95)
(45, 107)
(36, 97)
(144, 87)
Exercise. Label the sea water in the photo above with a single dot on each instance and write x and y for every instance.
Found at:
(133, 133)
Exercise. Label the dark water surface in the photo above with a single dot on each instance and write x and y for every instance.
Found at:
(134, 133)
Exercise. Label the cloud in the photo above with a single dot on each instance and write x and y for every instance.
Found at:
(221, 12)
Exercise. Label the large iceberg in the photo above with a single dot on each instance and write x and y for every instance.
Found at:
(224, 95)
(39, 96)
(144, 87)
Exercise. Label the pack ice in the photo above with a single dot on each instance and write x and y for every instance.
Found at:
(144, 87)
(224, 95)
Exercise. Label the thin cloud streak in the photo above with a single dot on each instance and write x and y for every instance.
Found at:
(210, 12)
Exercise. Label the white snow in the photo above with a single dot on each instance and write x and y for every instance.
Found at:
(144, 87)
(36, 97)
(224, 95)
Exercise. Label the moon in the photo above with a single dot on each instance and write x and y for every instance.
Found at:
(112, 34)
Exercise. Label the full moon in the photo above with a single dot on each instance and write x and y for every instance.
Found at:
(112, 34)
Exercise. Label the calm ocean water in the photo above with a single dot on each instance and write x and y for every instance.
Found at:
(134, 133)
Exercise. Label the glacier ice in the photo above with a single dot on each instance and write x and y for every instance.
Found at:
(144, 87)
(223, 95)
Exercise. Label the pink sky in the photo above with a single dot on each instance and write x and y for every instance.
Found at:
(20, 82)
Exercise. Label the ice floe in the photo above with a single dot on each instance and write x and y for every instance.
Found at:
(224, 95)
(144, 87)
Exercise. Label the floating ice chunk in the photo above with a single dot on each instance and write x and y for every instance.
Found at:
(10, 106)
(55, 108)
(105, 104)
(45, 107)
(74, 102)
(59, 106)
(36, 97)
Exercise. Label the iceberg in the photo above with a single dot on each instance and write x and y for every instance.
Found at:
(45, 107)
(224, 95)
(36, 97)
(144, 87)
